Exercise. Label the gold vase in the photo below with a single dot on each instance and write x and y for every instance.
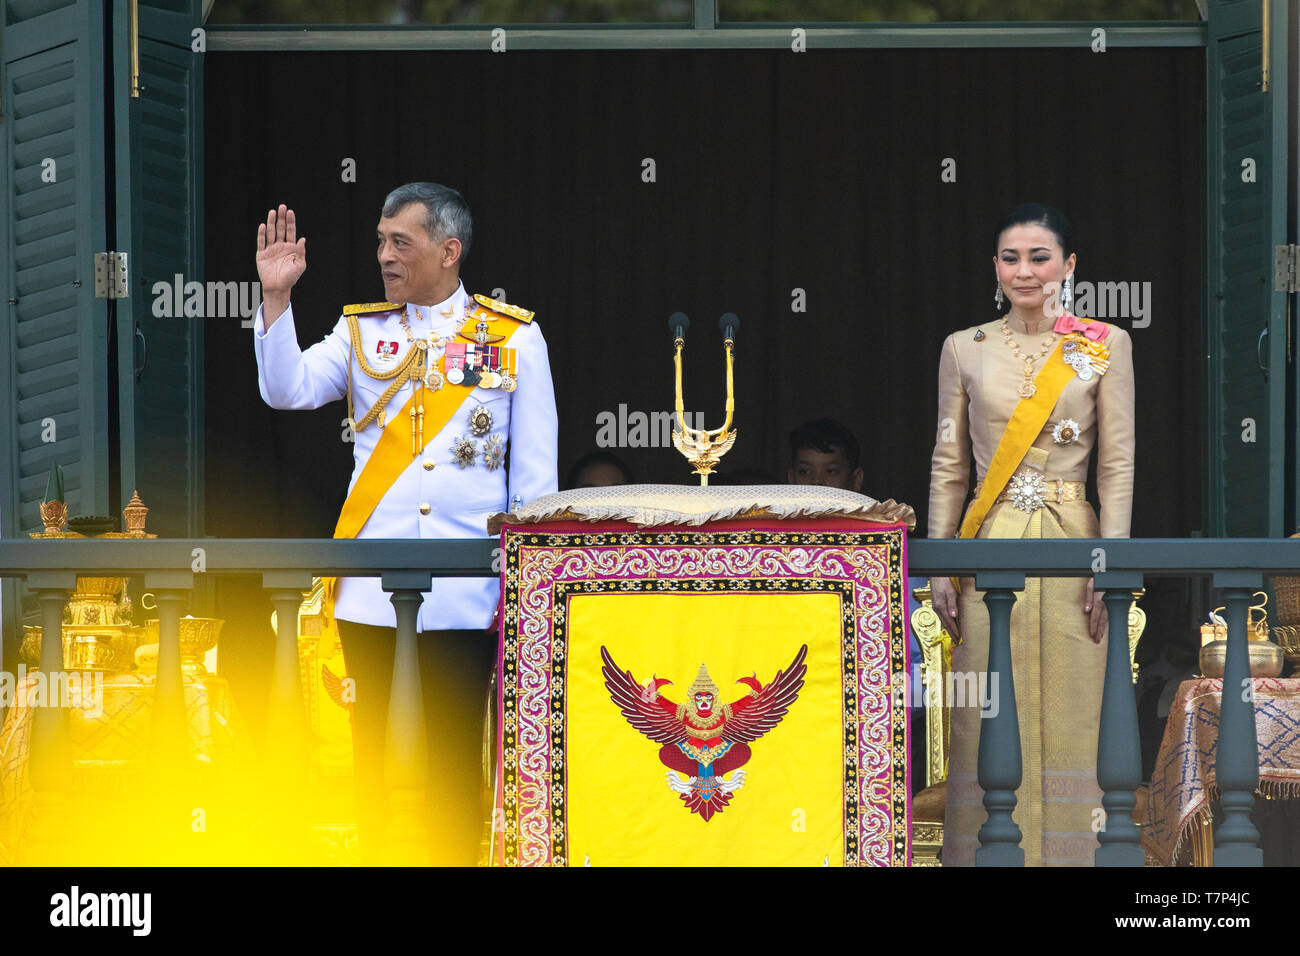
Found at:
(198, 636)
(86, 647)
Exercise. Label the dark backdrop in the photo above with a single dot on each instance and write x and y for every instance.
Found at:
(774, 171)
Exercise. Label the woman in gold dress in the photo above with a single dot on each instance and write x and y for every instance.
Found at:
(997, 383)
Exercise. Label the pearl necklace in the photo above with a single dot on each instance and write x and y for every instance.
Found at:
(1027, 388)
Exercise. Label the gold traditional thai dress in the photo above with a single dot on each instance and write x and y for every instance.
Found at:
(1058, 670)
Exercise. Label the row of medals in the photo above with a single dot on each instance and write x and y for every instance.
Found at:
(464, 450)
(434, 347)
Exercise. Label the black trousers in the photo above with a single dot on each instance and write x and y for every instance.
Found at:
(455, 672)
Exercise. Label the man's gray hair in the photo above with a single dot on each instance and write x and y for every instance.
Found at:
(446, 212)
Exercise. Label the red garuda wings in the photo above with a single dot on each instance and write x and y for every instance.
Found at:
(702, 741)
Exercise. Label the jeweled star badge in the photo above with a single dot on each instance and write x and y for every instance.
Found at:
(464, 451)
(1066, 432)
(480, 421)
(1027, 490)
(494, 450)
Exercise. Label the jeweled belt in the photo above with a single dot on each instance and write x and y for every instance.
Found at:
(1028, 490)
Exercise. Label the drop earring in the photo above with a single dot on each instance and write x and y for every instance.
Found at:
(1067, 292)
(997, 291)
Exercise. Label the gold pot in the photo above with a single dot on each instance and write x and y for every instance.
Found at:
(198, 636)
(86, 647)
(99, 587)
(1265, 658)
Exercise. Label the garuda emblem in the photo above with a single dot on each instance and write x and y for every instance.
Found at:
(704, 742)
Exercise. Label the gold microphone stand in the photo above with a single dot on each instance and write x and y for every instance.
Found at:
(703, 447)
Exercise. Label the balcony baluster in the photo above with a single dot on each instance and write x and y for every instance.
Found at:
(1119, 749)
(999, 749)
(1236, 759)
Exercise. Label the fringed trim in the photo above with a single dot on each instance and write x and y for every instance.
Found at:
(1270, 788)
(1202, 815)
(1279, 789)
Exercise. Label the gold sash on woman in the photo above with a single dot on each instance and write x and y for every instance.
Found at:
(1023, 428)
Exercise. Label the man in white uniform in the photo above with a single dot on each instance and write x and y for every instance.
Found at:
(454, 413)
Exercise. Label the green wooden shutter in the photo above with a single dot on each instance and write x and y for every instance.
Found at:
(54, 334)
(1246, 320)
(158, 150)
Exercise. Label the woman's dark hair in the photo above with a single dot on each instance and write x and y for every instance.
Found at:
(1037, 214)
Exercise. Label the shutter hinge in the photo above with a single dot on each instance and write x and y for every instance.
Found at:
(1286, 268)
(110, 275)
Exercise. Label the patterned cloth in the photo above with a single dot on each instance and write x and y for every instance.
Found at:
(1183, 782)
(579, 781)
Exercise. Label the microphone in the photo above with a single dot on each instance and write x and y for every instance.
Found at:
(729, 324)
(678, 323)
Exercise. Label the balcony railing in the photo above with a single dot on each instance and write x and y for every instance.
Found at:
(1237, 567)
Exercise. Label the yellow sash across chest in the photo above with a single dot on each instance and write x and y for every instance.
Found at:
(396, 448)
(1023, 428)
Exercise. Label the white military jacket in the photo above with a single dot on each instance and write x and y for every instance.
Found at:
(457, 499)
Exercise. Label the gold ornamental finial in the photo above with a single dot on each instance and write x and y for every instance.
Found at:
(133, 515)
(703, 684)
(54, 514)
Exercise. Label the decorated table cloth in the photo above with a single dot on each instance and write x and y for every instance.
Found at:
(1183, 782)
(694, 676)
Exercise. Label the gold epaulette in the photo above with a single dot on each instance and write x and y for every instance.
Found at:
(363, 308)
(504, 308)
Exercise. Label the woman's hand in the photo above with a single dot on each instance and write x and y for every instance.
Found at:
(944, 598)
(1095, 608)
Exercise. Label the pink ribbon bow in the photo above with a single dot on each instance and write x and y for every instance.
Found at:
(1094, 331)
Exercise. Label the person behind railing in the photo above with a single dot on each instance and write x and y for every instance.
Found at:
(824, 452)
(598, 469)
(1030, 396)
(444, 384)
